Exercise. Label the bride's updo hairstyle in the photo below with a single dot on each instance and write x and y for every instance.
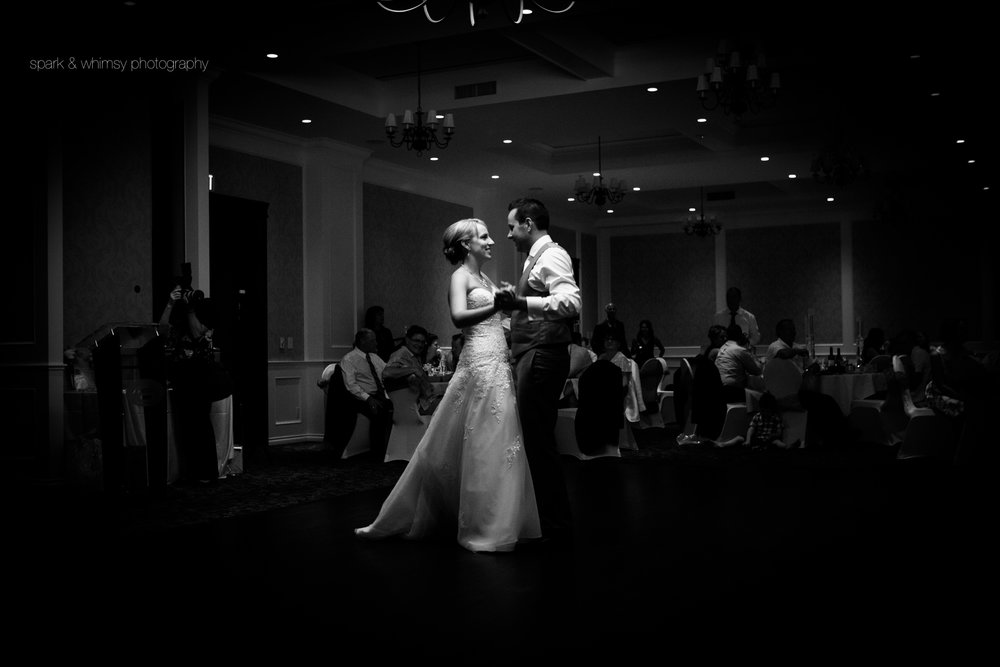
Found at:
(457, 232)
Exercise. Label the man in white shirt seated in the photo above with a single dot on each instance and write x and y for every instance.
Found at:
(362, 370)
(735, 314)
(785, 347)
(736, 364)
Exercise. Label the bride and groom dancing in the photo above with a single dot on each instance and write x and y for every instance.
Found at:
(487, 467)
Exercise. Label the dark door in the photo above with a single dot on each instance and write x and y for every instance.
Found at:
(238, 238)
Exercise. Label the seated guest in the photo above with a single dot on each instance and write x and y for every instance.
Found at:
(716, 339)
(406, 368)
(432, 353)
(875, 344)
(611, 323)
(646, 345)
(766, 428)
(613, 351)
(457, 343)
(362, 369)
(736, 364)
(579, 356)
(784, 346)
(916, 360)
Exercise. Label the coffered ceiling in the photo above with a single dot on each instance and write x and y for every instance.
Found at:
(563, 80)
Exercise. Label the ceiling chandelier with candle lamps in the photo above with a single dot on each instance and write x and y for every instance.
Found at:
(700, 225)
(402, 6)
(739, 82)
(597, 192)
(420, 130)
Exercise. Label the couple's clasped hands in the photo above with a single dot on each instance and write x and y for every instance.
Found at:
(504, 298)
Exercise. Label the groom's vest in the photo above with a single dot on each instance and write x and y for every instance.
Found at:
(526, 334)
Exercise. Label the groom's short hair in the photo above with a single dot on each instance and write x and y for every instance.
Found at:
(530, 208)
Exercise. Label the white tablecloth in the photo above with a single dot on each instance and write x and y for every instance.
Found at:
(846, 387)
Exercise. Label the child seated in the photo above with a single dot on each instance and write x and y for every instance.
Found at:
(766, 428)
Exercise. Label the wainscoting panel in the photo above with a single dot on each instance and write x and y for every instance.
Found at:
(296, 404)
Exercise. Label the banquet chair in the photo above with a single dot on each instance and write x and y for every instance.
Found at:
(708, 406)
(928, 435)
(344, 428)
(736, 422)
(682, 396)
(408, 425)
(653, 375)
(594, 428)
(880, 363)
(783, 379)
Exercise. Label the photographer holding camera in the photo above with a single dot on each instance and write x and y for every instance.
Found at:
(196, 378)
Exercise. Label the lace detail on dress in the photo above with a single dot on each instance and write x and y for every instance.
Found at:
(511, 452)
(485, 355)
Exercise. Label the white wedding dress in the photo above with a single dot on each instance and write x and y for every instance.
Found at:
(469, 473)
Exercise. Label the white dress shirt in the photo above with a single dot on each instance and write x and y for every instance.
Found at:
(745, 319)
(358, 374)
(802, 361)
(553, 272)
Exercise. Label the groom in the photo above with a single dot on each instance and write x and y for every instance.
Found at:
(543, 304)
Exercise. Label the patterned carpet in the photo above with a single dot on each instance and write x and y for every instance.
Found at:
(300, 473)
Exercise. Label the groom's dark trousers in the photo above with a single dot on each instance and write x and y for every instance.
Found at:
(541, 373)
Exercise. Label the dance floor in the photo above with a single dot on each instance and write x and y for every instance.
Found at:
(759, 558)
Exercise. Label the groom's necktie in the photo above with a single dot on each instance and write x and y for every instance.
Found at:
(732, 318)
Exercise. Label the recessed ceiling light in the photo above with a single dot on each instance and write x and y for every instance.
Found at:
(495, 176)
(764, 158)
(692, 209)
(435, 159)
(439, 116)
(935, 94)
(636, 188)
(597, 173)
(915, 56)
(611, 210)
(986, 187)
(702, 120)
(306, 120)
(829, 198)
(652, 89)
(570, 198)
(272, 55)
(960, 141)
(792, 176)
(526, 11)
(508, 141)
(972, 162)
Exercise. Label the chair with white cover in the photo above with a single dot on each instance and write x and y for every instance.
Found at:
(783, 380)
(683, 380)
(566, 439)
(344, 427)
(659, 402)
(928, 434)
(594, 429)
(736, 422)
(408, 425)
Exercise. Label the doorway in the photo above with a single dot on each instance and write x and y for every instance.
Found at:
(238, 259)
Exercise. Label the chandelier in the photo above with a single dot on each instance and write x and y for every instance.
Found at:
(597, 193)
(420, 131)
(473, 11)
(700, 226)
(736, 87)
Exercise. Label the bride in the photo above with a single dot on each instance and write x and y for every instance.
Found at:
(469, 473)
